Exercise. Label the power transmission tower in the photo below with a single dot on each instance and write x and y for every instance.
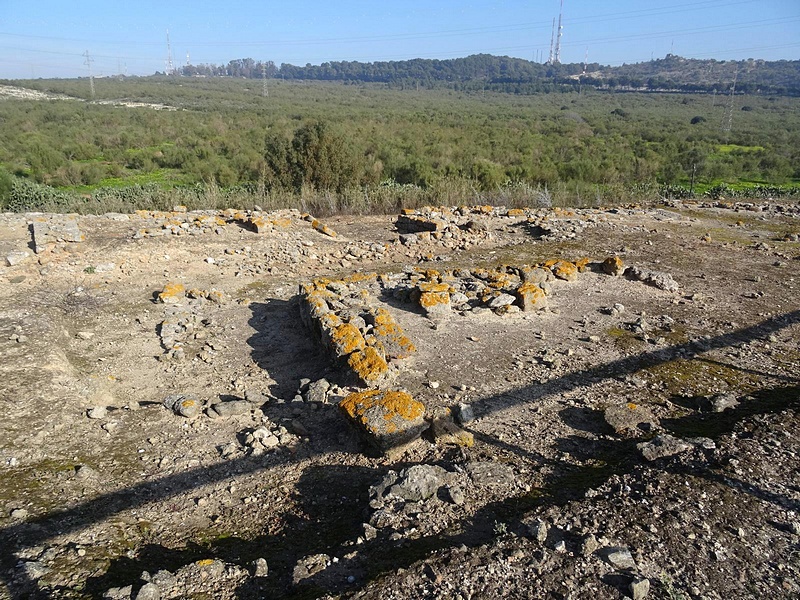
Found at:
(552, 43)
(170, 66)
(560, 33)
(727, 120)
(88, 62)
(264, 90)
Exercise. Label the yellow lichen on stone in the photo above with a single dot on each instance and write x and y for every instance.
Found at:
(407, 211)
(515, 212)
(582, 263)
(347, 338)
(433, 287)
(531, 297)
(260, 224)
(323, 228)
(172, 293)
(395, 404)
(430, 299)
(613, 265)
(282, 222)
(368, 364)
(565, 270)
(389, 336)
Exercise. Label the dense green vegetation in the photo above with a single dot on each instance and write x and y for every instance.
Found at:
(503, 73)
(372, 147)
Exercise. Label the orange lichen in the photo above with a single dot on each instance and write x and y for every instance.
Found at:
(388, 336)
(582, 263)
(613, 265)
(433, 287)
(394, 403)
(407, 211)
(322, 228)
(260, 224)
(367, 364)
(531, 297)
(347, 338)
(282, 222)
(515, 212)
(565, 270)
(172, 293)
(430, 299)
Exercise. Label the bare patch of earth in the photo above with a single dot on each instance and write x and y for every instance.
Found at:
(107, 493)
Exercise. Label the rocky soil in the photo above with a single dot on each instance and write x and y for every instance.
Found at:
(611, 404)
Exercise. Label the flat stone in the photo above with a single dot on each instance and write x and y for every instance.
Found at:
(722, 402)
(662, 281)
(620, 558)
(97, 412)
(231, 408)
(309, 566)
(48, 233)
(501, 301)
(149, 591)
(629, 419)
(183, 405)
(419, 482)
(17, 257)
(640, 588)
(388, 420)
(318, 391)
(661, 446)
(118, 593)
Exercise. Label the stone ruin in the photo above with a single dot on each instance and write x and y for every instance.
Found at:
(363, 338)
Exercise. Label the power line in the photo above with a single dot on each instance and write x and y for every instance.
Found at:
(634, 14)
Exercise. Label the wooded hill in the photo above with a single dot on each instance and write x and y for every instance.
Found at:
(516, 75)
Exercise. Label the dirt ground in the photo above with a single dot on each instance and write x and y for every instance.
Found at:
(105, 492)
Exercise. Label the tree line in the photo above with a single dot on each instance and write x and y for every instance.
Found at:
(504, 73)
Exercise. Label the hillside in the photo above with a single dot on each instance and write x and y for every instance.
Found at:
(505, 73)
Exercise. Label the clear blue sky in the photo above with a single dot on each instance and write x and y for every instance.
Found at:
(46, 38)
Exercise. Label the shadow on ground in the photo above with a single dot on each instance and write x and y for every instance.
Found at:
(331, 500)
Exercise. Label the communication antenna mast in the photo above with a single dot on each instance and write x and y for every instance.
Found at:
(88, 62)
(170, 66)
(560, 33)
(585, 60)
(188, 63)
(728, 119)
(552, 43)
(264, 90)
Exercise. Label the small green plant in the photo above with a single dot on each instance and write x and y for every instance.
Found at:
(500, 528)
(90, 270)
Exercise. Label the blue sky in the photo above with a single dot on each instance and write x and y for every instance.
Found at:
(45, 38)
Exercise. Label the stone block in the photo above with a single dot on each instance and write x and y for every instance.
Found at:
(388, 420)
